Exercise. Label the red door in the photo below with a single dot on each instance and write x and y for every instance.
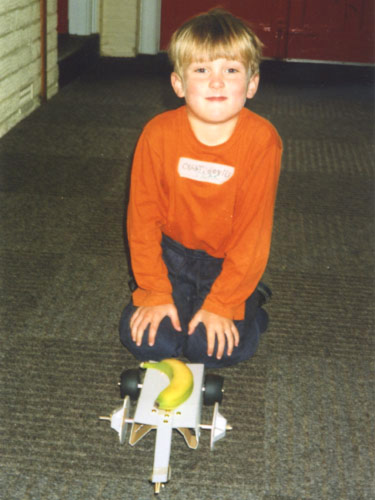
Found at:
(62, 16)
(267, 18)
(330, 30)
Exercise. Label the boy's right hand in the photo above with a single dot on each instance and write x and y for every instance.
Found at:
(152, 315)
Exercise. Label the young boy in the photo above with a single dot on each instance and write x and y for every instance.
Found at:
(203, 189)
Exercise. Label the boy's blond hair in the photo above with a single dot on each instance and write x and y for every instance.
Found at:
(213, 35)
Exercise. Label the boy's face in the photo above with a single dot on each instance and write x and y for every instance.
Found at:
(215, 91)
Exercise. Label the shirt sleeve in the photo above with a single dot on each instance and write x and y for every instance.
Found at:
(145, 217)
(247, 254)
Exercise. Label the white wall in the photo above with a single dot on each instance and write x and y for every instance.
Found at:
(149, 27)
(84, 17)
(129, 27)
(119, 28)
(20, 59)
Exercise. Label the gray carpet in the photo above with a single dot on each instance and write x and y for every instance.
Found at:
(302, 409)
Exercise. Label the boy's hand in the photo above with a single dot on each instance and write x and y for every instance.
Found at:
(216, 327)
(151, 315)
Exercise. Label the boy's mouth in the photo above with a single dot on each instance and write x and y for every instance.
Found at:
(217, 98)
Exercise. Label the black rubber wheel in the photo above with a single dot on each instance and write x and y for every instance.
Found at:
(213, 389)
(129, 381)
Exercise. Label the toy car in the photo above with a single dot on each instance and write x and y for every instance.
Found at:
(186, 418)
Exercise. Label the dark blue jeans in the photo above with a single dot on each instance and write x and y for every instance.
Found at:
(192, 273)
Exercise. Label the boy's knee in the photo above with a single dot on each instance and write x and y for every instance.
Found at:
(168, 342)
(196, 350)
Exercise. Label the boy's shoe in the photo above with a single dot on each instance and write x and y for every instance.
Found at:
(265, 293)
(132, 284)
(262, 319)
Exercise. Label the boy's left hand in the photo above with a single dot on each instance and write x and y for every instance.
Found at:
(217, 327)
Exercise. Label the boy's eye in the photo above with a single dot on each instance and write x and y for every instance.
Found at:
(232, 70)
(200, 70)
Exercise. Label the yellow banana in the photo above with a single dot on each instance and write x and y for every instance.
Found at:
(181, 383)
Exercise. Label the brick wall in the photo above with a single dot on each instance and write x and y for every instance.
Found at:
(20, 59)
(119, 28)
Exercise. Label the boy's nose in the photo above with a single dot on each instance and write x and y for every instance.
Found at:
(216, 81)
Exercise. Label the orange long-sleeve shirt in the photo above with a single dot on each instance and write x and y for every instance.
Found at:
(214, 198)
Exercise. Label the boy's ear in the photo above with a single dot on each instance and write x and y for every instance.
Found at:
(177, 84)
(253, 86)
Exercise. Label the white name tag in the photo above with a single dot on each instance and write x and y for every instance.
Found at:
(204, 171)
